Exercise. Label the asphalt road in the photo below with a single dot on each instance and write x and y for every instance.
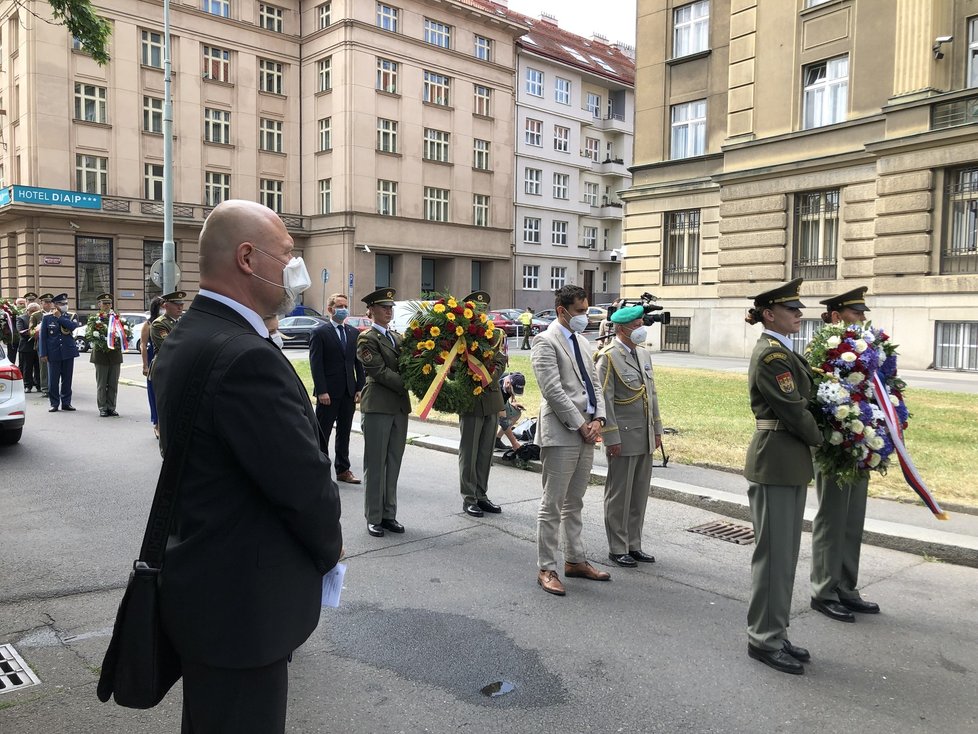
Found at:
(431, 617)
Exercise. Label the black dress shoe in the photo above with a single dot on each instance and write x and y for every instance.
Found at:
(103, 414)
(471, 509)
(832, 610)
(113, 413)
(489, 506)
(861, 606)
(624, 560)
(777, 659)
(798, 653)
(500, 446)
(68, 408)
(375, 530)
(641, 557)
(53, 410)
(393, 525)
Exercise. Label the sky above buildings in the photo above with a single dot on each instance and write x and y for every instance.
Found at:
(612, 18)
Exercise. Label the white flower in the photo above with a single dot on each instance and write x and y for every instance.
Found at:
(876, 443)
(836, 438)
(875, 460)
(854, 378)
(857, 426)
(833, 341)
(860, 345)
(841, 413)
(868, 336)
(854, 410)
(894, 400)
(869, 432)
(848, 357)
(831, 393)
(881, 356)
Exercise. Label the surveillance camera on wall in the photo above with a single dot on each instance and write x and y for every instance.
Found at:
(943, 39)
(366, 248)
(938, 42)
(73, 225)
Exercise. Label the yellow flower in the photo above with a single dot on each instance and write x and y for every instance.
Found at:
(487, 354)
(426, 369)
(429, 344)
(482, 317)
(461, 347)
(478, 390)
(414, 324)
(473, 346)
(444, 355)
(467, 313)
(475, 377)
(452, 303)
(435, 331)
(438, 308)
(459, 331)
(450, 316)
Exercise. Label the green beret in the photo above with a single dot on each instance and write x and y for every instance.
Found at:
(628, 314)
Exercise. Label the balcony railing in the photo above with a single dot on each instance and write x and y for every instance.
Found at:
(815, 269)
(954, 112)
(680, 276)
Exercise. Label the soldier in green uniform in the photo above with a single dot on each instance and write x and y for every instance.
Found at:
(478, 428)
(107, 361)
(384, 408)
(837, 531)
(779, 468)
(632, 434)
(172, 308)
(34, 324)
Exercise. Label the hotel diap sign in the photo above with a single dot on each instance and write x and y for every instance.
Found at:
(49, 197)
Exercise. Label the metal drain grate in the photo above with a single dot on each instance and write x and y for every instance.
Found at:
(14, 673)
(739, 534)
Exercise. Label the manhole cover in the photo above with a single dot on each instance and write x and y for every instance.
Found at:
(739, 534)
(14, 673)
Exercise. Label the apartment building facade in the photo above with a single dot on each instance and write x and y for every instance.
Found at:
(381, 133)
(833, 140)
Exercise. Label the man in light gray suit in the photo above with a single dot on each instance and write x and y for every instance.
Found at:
(571, 418)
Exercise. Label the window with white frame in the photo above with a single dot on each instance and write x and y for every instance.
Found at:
(325, 15)
(217, 7)
(813, 3)
(217, 64)
(387, 198)
(270, 194)
(435, 204)
(482, 101)
(956, 345)
(153, 181)
(531, 277)
(691, 28)
(386, 75)
(973, 52)
(534, 82)
(152, 114)
(561, 138)
(217, 126)
(151, 49)
(558, 277)
(681, 255)
(480, 210)
(483, 48)
(959, 249)
(480, 154)
(589, 237)
(91, 174)
(562, 91)
(324, 74)
(534, 132)
(271, 18)
(816, 235)
(826, 95)
(561, 186)
(592, 149)
(533, 181)
(326, 133)
(270, 76)
(437, 89)
(270, 135)
(76, 45)
(325, 196)
(386, 135)
(591, 193)
(387, 17)
(531, 230)
(593, 105)
(217, 187)
(437, 33)
(688, 129)
(558, 232)
(435, 146)
(91, 103)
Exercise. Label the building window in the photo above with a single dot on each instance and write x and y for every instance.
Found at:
(534, 82)
(589, 239)
(153, 181)
(591, 193)
(483, 100)
(959, 253)
(270, 76)
(691, 29)
(217, 126)
(386, 135)
(435, 145)
(558, 277)
(675, 334)
(435, 204)
(270, 194)
(801, 338)
(561, 186)
(562, 91)
(437, 89)
(477, 266)
(217, 64)
(217, 188)
(217, 7)
(427, 277)
(270, 135)
(533, 181)
(531, 277)
(151, 49)
(324, 75)
(480, 210)
(387, 17)
(325, 196)
(688, 129)
(326, 133)
(387, 198)
(592, 149)
(534, 132)
(826, 92)
(593, 105)
(152, 114)
(325, 15)
(91, 174)
(973, 52)
(816, 235)
(386, 75)
(681, 256)
(270, 18)
(480, 154)
(531, 230)
(93, 268)
(152, 251)
(90, 103)
(437, 34)
(561, 139)
(77, 45)
(383, 271)
(813, 3)
(483, 48)
(558, 233)
(956, 345)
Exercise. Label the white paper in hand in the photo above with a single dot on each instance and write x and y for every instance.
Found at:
(333, 585)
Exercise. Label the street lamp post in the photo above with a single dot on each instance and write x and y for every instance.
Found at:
(169, 254)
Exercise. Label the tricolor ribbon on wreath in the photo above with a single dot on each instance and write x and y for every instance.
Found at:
(475, 367)
(116, 327)
(910, 472)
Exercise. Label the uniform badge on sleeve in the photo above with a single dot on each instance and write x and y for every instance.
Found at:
(786, 382)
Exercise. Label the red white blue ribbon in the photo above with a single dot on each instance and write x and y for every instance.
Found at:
(910, 472)
(116, 327)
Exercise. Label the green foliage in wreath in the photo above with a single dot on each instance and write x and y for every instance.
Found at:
(97, 331)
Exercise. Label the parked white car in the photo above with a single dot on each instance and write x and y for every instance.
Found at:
(135, 320)
(13, 402)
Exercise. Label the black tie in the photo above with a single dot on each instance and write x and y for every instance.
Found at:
(342, 333)
(584, 375)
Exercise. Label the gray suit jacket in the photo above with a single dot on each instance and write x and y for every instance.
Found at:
(564, 407)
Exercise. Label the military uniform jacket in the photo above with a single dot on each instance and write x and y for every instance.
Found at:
(34, 325)
(384, 391)
(160, 329)
(107, 356)
(55, 337)
(630, 401)
(780, 386)
(490, 400)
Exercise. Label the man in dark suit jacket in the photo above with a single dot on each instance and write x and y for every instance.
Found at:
(257, 518)
(337, 378)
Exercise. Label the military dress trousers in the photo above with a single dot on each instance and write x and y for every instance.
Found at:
(478, 432)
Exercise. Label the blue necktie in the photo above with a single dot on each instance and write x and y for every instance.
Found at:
(592, 400)
(341, 330)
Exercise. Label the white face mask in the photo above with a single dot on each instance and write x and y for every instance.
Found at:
(579, 323)
(639, 334)
(295, 279)
(277, 338)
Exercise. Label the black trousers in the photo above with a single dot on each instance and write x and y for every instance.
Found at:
(234, 701)
(339, 411)
(31, 368)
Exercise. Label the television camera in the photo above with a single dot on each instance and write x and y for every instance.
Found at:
(649, 307)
